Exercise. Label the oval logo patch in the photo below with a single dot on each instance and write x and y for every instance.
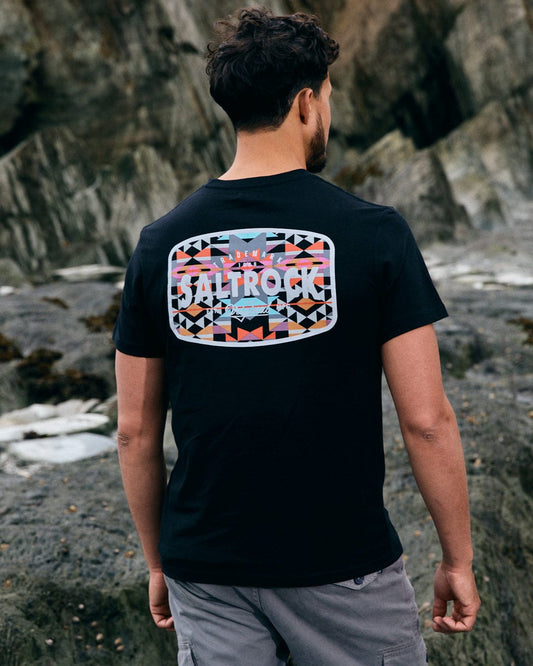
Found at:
(249, 287)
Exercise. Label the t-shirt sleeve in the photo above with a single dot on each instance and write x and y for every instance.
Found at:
(408, 297)
(136, 331)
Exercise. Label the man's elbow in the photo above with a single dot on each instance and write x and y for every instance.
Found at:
(133, 434)
(123, 439)
(430, 426)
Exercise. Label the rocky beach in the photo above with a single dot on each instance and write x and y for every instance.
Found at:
(73, 577)
(106, 123)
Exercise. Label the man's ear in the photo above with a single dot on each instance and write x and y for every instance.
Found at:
(304, 104)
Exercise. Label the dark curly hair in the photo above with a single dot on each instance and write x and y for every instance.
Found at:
(261, 61)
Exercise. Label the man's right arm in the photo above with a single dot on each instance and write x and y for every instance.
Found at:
(429, 428)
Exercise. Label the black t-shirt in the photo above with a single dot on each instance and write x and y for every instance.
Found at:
(270, 299)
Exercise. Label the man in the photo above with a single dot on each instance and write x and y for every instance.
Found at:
(264, 307)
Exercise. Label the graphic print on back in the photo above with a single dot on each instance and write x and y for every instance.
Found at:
(250, 287)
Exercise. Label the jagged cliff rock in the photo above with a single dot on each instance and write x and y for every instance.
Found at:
(456, 79)
(425, 67)
(59, 208)
(116, 90)
(395, 70)
(119, 94)
(120, 74)
(381, 173)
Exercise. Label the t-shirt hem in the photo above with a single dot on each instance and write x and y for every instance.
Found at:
(188, 572)
(133, 350)
(410, 324)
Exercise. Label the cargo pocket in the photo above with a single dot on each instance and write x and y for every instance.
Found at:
(185, 654)
(360, 582)
(413, 653)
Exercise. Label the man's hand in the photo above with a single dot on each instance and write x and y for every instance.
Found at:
(159, 606)
(459, 586)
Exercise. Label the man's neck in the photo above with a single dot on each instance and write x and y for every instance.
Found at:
(265, 153)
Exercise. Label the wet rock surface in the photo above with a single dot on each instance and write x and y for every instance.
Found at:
(73, 578)
(73, 582)
(56, 342)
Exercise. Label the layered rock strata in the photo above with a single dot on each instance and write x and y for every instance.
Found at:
(106, 121)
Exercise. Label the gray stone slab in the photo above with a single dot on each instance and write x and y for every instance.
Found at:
(63, 449)
(53, 426)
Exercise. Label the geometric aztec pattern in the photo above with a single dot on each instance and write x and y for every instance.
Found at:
(249, 287)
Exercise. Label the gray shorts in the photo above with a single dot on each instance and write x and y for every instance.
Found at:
(370, 621)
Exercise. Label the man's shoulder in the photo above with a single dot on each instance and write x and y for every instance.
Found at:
(318, 193)
(334, 192)
(166, 224)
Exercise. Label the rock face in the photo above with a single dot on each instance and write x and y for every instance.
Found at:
(105, 123)
(115, 123)
(381, 174)
(61, 210)
(397, 70)
(425, 67)
(440, 73)
(56, 343)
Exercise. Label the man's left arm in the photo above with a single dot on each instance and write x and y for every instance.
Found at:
(429, 428)
(142, 406)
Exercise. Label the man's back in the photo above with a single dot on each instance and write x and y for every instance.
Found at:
(276, 308)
